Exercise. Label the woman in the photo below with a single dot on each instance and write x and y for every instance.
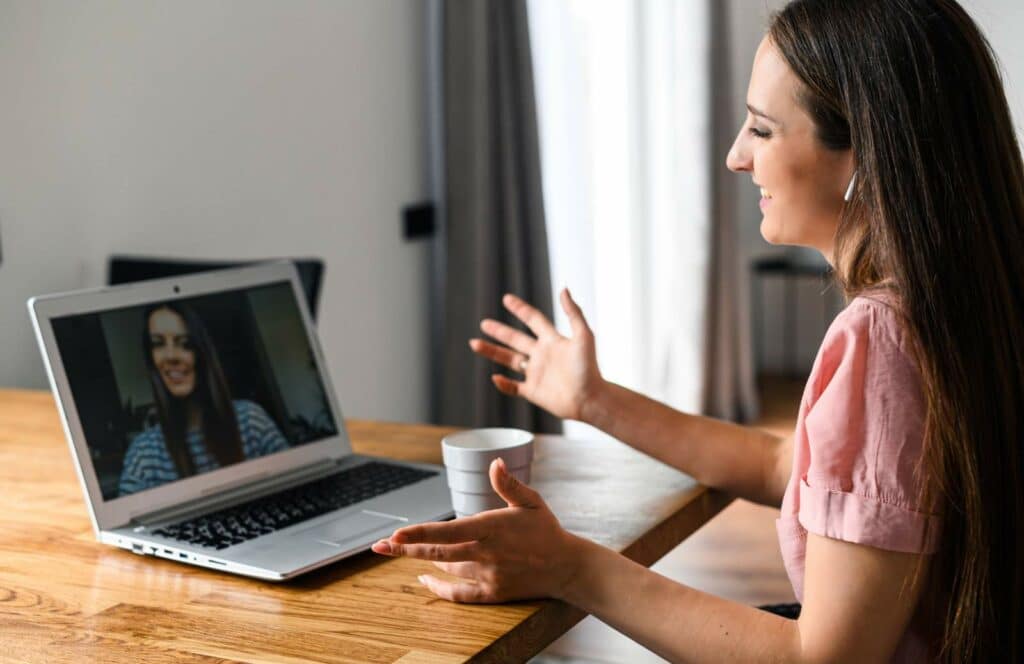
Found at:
(200, 428)
(879, 133)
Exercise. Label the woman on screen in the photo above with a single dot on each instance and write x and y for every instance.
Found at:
(201, 428)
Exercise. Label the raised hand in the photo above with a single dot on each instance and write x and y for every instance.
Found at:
(559, 373)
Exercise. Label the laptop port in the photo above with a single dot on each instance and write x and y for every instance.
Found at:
(183, 555)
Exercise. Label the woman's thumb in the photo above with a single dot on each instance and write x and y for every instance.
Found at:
(511, 490)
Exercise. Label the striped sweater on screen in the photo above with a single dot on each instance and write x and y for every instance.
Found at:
(148, 464)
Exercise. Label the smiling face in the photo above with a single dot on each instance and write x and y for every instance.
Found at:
(802, 182)
(173, 355)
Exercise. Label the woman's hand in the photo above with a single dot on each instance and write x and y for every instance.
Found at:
(560, 374)
(518, 552)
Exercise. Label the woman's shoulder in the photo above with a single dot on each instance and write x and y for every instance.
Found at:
(244, 405)
(862, 432)
(259, 431)
(872, 316)
(870, 338)
(249, 412)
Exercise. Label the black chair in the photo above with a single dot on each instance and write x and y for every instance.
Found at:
(129, 269)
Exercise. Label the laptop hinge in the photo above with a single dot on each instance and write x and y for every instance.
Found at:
(226, 495)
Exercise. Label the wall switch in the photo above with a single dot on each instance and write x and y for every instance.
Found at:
(418, 221)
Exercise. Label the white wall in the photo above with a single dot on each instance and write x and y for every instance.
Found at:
(228, 129)
(1002, 22)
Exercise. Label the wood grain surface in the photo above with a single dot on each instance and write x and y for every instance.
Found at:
(66, 598)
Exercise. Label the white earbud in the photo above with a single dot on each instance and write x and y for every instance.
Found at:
(849, 190)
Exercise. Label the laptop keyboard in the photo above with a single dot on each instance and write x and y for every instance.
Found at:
(234, 525)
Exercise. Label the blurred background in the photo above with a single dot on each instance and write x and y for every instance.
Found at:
(253, 129)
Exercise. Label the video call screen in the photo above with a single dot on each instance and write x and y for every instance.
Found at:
(186, 386)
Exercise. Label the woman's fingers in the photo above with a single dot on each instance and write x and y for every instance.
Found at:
(534, 319)
(506, 385)
(449, 553)
(575, 314)
(499, 354)
(509, 336)
(465, 570)
(466, 592)
(467, 529)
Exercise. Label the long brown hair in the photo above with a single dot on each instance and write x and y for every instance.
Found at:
(913, 88)
(218, 422)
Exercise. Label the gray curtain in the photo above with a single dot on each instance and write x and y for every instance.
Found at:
(493, 238)
(729, 384)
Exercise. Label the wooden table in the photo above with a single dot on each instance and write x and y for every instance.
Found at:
(66, 598)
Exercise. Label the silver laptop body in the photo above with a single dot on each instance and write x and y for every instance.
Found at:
(130, 365)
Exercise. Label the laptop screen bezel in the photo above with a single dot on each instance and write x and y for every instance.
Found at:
(118, 512)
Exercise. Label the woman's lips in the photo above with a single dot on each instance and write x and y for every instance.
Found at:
(765, 202)
(177, 376)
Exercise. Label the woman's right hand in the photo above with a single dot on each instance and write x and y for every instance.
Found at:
(560, 373)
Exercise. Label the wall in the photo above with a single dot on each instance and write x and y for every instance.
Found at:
(1002, 21)
(229, 129)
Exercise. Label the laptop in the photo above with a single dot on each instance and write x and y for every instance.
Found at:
(205, 430)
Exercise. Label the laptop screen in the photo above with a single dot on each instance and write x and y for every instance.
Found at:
(174, 389)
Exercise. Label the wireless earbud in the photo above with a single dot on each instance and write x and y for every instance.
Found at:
(849, 190)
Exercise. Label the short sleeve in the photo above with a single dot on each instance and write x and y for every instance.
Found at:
(865, 433)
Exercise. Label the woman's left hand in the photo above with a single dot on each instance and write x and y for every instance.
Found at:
(518, 552)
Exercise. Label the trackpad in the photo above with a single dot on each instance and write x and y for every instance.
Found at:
(343, 530)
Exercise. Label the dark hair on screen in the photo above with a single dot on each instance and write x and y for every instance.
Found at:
(219, 425)
(913, 88)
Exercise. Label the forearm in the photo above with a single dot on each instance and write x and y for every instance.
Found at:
(677, 622)
(741, 460)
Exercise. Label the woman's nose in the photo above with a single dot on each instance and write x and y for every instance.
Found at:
(739, 159)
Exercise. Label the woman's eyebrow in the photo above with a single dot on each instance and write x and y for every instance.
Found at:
(762, 114)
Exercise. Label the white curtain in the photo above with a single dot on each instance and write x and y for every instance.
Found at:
(624, 99)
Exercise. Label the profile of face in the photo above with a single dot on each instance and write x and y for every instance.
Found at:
(172, 352)
(802, 182)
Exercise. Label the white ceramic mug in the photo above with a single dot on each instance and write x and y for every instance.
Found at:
(467, 459)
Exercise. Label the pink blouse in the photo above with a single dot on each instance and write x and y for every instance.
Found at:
(858, 442)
